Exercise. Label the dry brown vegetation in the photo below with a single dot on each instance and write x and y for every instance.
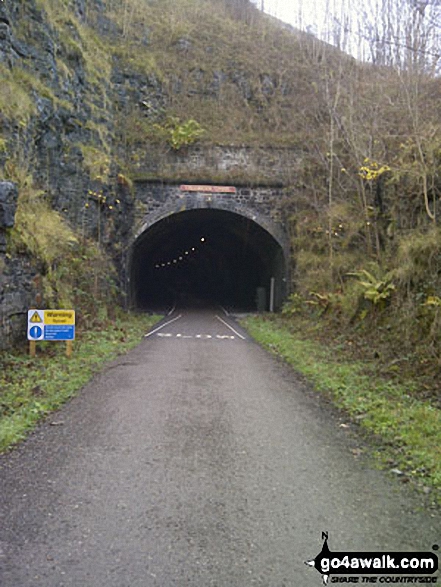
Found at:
(363, 213)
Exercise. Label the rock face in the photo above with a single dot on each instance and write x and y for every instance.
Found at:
(53, 125)
(61, 125)
(8, 204)
(18, 291)
(17, 276)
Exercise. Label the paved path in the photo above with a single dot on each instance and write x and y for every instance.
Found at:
(197, 459)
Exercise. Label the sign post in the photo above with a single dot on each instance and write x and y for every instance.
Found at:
(272, 291)
(51, 325)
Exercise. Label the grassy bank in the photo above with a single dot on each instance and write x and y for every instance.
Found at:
(408, 428)
(32, 388)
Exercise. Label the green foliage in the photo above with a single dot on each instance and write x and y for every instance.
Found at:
(75, 271)
(418, 258)
(328, 244)
(131, 58)
(78, 42)
(190, 45)
(32, 388)
(171, 133)
(325, 301)
(410, 429)
(39, 230)
(371, 170)
(84, 279)
(97, 162)
(15, 100)
(364, 169)
(183, 134)
(31, 82)
(416, 166)
(375, 290)
(433, 301)
(294, 305)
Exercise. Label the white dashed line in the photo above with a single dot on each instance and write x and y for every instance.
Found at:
(230, 327)
(162, 326)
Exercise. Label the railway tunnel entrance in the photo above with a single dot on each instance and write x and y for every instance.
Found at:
(207, 256)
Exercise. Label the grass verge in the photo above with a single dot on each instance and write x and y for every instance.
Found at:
(32, 388)
(408, 428)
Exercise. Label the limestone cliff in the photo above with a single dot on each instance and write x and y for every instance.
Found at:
(95, 94)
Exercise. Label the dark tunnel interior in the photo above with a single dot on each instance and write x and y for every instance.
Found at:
(206, 257)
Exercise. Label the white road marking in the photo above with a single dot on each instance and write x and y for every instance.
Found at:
(198, 336)
(162, 326)
(224, 311)
(172, 310)
(230, 327)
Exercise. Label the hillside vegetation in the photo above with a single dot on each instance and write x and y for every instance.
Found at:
(244, 80)
(134, 78)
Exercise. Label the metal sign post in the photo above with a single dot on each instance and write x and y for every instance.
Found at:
(272, 292)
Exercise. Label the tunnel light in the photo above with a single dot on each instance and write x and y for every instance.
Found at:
(180, 258)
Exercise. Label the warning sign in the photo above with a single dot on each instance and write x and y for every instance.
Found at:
(35, 318)
(51, 325)
(59, 317)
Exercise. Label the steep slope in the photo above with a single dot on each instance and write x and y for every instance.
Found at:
(97, 94)
(90, 91)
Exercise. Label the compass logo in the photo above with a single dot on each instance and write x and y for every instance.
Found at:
(375, 563)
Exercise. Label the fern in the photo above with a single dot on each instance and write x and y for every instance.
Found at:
(375, 290)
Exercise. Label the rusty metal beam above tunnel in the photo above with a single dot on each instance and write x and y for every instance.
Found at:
(209, 189)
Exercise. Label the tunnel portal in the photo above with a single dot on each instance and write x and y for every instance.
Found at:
(207, 256)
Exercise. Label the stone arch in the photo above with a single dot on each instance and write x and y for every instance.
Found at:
(261, 241)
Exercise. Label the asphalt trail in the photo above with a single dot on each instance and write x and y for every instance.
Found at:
(197, 459)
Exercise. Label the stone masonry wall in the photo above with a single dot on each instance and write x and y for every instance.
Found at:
(264, 205)
(240, 165)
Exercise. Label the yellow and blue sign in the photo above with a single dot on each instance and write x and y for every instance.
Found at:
(51, 325)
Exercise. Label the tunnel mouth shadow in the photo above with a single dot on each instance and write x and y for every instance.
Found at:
(206, 258)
